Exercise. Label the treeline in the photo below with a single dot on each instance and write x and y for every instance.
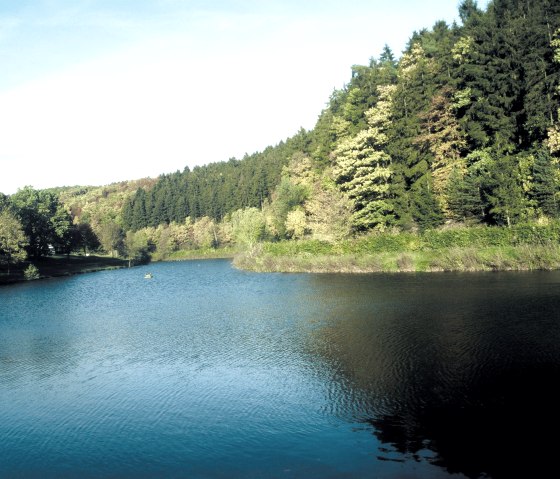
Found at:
(213, 190)
(462, 128)
(33, 224)
(38, 223)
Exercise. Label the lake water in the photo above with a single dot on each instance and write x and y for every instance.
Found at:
(205, 371)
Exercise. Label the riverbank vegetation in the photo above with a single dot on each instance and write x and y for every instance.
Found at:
(521, 247)
(410, 166)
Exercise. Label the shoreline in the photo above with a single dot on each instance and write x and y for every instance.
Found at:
(525, 257)
(59, 266)
(454, 259)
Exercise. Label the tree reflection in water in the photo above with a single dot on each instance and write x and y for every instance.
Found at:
(459, 370)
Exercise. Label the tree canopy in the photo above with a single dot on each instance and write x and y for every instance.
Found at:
(462, 127)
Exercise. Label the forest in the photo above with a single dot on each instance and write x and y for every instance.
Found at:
(461, 131)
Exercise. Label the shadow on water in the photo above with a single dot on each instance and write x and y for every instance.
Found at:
(205, 371)
(459, 371)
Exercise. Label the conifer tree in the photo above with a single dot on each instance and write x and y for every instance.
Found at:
(443, 137)
(546, 188)
(363, 167)
(507, 201)
(414, 90)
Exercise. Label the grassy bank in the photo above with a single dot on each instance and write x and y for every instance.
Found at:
(52, 266)
(526, 247)
(205, 253)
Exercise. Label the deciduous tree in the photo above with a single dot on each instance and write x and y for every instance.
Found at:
(12, 240)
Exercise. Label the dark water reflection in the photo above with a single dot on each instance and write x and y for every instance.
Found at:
(206, 371)
(458, 370)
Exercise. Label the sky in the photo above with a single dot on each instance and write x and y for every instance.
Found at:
(99, 91)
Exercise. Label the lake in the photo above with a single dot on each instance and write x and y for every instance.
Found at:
(205, 371)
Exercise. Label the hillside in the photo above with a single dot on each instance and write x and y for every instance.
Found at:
(462, 130)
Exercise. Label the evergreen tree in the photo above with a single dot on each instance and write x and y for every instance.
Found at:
(546, 189)
(469, 11)
(541, 74)
(139, 213)
(464, 193)
(443, 137)
(362, 167)
(507, 200)
(468, 105)
(412, 97)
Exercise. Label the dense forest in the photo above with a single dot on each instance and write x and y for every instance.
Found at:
(462, 129)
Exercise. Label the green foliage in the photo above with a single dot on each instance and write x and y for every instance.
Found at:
(111, 237)
(508, 203)
(86, 238)
(363, 167)
(463, 128)
(13, 241)
(44, 219)
(248, 226)
(137, 247)
(434, 239)
(296, 224)
(213, 190)
(31, 273)
(427, 212)
(205, 233)
(386, 242)
(287, 196)
(546, 188)
(492, 236)
(298, 247)
(329, 211)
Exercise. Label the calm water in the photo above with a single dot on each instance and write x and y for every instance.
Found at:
(209, 372)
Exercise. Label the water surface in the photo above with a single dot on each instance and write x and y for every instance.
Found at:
(206, 371)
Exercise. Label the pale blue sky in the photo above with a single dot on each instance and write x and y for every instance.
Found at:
(93, 92)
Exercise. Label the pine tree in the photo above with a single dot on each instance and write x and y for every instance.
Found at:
(507, 200)
(443, 137)
(139, 218)
(415, 88)
(362, 167)
(546, 189)
(465, 201)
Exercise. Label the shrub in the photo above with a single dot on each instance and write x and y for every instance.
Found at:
(31, 272)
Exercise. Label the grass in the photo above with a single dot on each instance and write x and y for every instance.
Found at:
(52, 266)
(496, 258)
(478, 248)
(205, 253)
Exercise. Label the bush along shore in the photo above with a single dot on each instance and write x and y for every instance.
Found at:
(519, 248)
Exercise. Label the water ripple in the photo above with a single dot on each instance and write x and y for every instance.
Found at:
(205, 371)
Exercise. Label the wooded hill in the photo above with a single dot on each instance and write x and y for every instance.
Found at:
(463, 128)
